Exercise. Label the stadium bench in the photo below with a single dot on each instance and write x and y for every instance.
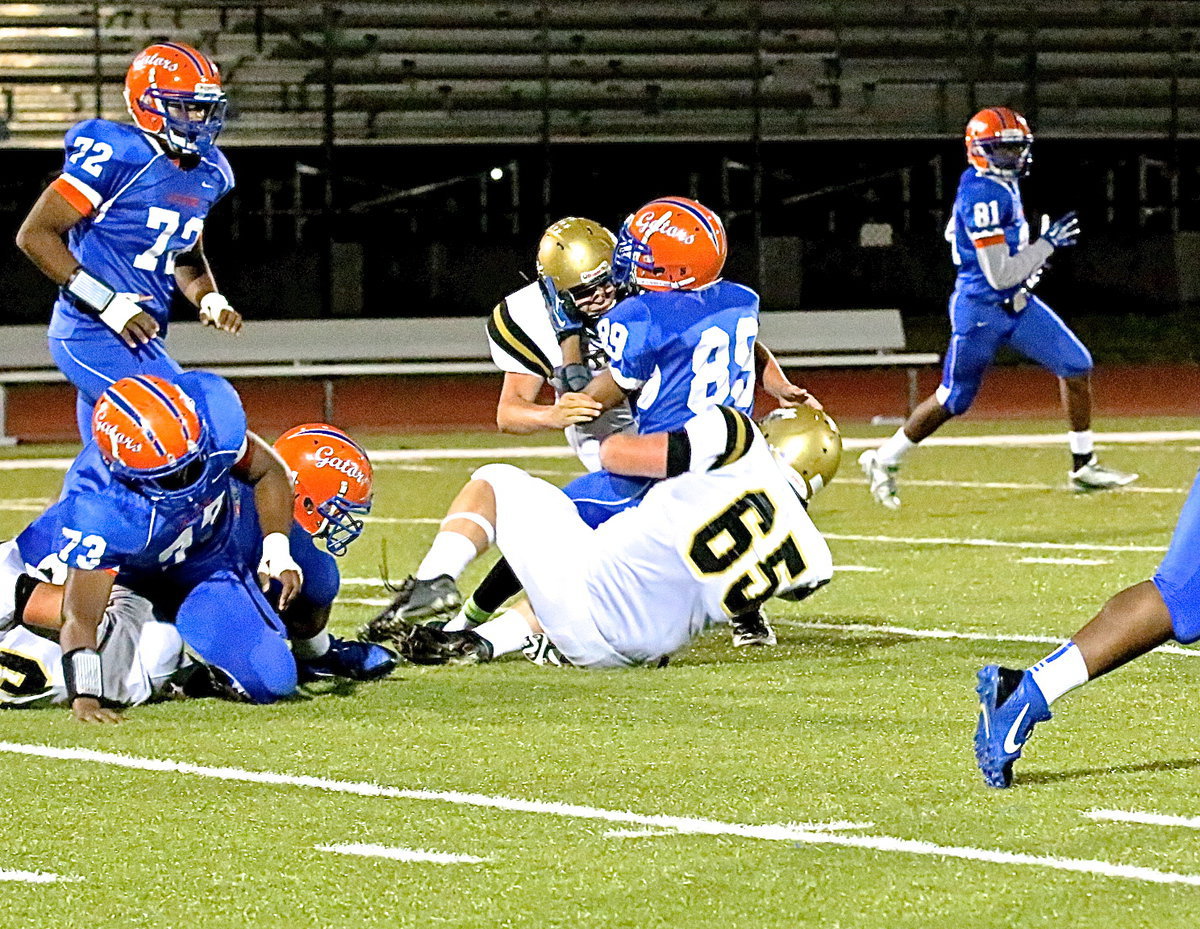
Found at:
(330, 349)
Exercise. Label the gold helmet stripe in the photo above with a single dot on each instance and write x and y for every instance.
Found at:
(739, 436)
(516, 341)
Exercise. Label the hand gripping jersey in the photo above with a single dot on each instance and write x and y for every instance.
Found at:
(987, 211)
(140, 210)
(100, 523)
(687, 351)
(139, 654)
(522, 341)
(700, 549)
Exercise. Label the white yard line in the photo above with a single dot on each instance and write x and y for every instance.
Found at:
(364, 601)
(993, 543)
(399, 854)
(948, 634)
(393, 455)
(404, 520)
(683, 824)
(1014, 485)
(1146, 819)
(863, 568)
(35, 877)
(1064, 561)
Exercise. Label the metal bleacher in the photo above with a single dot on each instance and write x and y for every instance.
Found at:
(579, 70)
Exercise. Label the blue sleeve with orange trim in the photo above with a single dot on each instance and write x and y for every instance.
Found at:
(97, 164)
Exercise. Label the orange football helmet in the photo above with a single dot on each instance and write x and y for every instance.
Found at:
(671, 243)
(332, 476)
(174, 92)
(998, 142)
(152, 437)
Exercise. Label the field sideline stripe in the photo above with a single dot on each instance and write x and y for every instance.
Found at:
(683, 824)
(992, 543)
(952, 634)
(390, 455)
(1015, 485)
(1145, 819)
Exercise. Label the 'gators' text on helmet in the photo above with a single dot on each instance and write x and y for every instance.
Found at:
(174, 92)
(333, 480)
(671, 243)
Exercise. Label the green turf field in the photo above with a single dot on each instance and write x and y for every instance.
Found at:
(826, 782)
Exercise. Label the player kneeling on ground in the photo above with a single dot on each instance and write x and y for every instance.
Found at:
(195, 514)
(726, 530)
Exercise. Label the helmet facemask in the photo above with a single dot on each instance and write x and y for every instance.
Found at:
(341, 525)
(191, 120)
(1006, 156)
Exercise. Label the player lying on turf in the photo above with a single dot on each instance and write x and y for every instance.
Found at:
(993, 305)
(195, 513)
(726, 530)
(1135, 621)
(685, 342)
(141, 658)
(133, 200)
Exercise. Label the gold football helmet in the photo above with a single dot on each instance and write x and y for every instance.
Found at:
(808, 441)
(575, 256)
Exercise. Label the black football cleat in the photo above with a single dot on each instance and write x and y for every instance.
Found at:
(415, 600)
(752, 629)
(429, 646)
(355, 661)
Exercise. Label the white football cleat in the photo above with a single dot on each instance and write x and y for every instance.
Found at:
(881, 477)
(1095, 476)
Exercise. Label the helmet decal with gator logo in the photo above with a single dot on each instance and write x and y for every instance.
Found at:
(671, 243)
(808, 442)
(174, 93)
(333, 480)
(153, 438)
(999, 142)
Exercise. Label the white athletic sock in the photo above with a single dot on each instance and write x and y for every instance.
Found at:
(895, 448)
(449, 554)
(315, 647)
(1081, 443)
(1059, 672)
(508, 632)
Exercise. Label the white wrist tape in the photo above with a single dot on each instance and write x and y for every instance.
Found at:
(82, 674)
(211, 305)
(277, 556)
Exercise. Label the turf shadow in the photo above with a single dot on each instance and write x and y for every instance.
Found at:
(1054, 777)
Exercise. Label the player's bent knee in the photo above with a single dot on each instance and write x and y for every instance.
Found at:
(1183, 607)
(956, 400)
(497, 473)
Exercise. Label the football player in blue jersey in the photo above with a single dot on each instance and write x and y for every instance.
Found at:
(683, 345)
(132, 200)
(993, 306)
(1132, 623)
(190, 510)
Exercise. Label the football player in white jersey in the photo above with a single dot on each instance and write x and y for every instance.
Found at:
(726, 530)
(142, 658)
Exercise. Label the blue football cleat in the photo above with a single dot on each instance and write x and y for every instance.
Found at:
(1010, 705)
(358, 661)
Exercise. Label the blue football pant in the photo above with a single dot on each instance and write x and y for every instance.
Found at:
(93, 364)
(981, 328)
(598, 495)
(1178, 576)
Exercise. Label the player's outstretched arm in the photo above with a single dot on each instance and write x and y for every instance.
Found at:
(274, 498)
(195, 280)
(713, 438)
(41, 239)
(84, 601)
(777, 384)
(519, 412)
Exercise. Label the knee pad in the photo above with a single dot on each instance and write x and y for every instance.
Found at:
(956, 401)
(496, 473)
